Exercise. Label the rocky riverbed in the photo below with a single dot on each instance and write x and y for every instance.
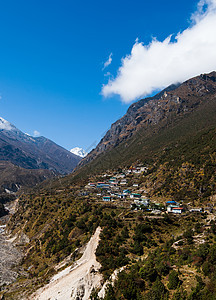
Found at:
(10, 256)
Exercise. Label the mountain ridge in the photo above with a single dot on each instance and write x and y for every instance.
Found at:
(34, 152)
(178, 100)
(26, 161)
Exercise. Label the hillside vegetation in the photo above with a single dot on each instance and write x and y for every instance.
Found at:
(163, 256)
(169, 255)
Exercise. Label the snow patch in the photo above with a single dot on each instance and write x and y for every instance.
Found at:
(4, 124)
(79, 151)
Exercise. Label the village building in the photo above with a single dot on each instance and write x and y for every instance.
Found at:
(175, 209)
(199, 210)
(145, 200)
(135, 195)
(91, 184)
(141, 202)
(143, 169)
(123, 182)
(107, 198)
(121, 196)
(114, 183)
(102, 185)
(171, 202)
(156, 211)
(112, 179)
(126, 192)
(121, 175)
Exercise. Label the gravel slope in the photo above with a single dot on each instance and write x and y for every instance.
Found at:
(77, 281)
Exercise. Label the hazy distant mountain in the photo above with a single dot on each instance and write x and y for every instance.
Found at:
(34, 152)
(79, 151)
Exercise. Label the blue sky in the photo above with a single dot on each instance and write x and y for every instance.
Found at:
(52, 55)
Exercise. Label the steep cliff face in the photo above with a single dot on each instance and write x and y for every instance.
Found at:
(174, 102)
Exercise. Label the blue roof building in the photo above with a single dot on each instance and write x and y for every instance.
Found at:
(170, 202)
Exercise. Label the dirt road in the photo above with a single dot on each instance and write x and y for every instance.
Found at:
(75, 282)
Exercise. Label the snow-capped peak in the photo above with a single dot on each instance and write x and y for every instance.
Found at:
(4, 124)
(79, 151)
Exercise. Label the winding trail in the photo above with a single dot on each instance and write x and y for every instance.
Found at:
(77, 281)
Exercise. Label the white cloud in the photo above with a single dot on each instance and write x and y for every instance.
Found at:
(36, 133)
(108, 62)
(159, 64)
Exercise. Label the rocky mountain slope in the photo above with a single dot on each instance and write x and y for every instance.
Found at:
(150, 117)
(33, 152)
